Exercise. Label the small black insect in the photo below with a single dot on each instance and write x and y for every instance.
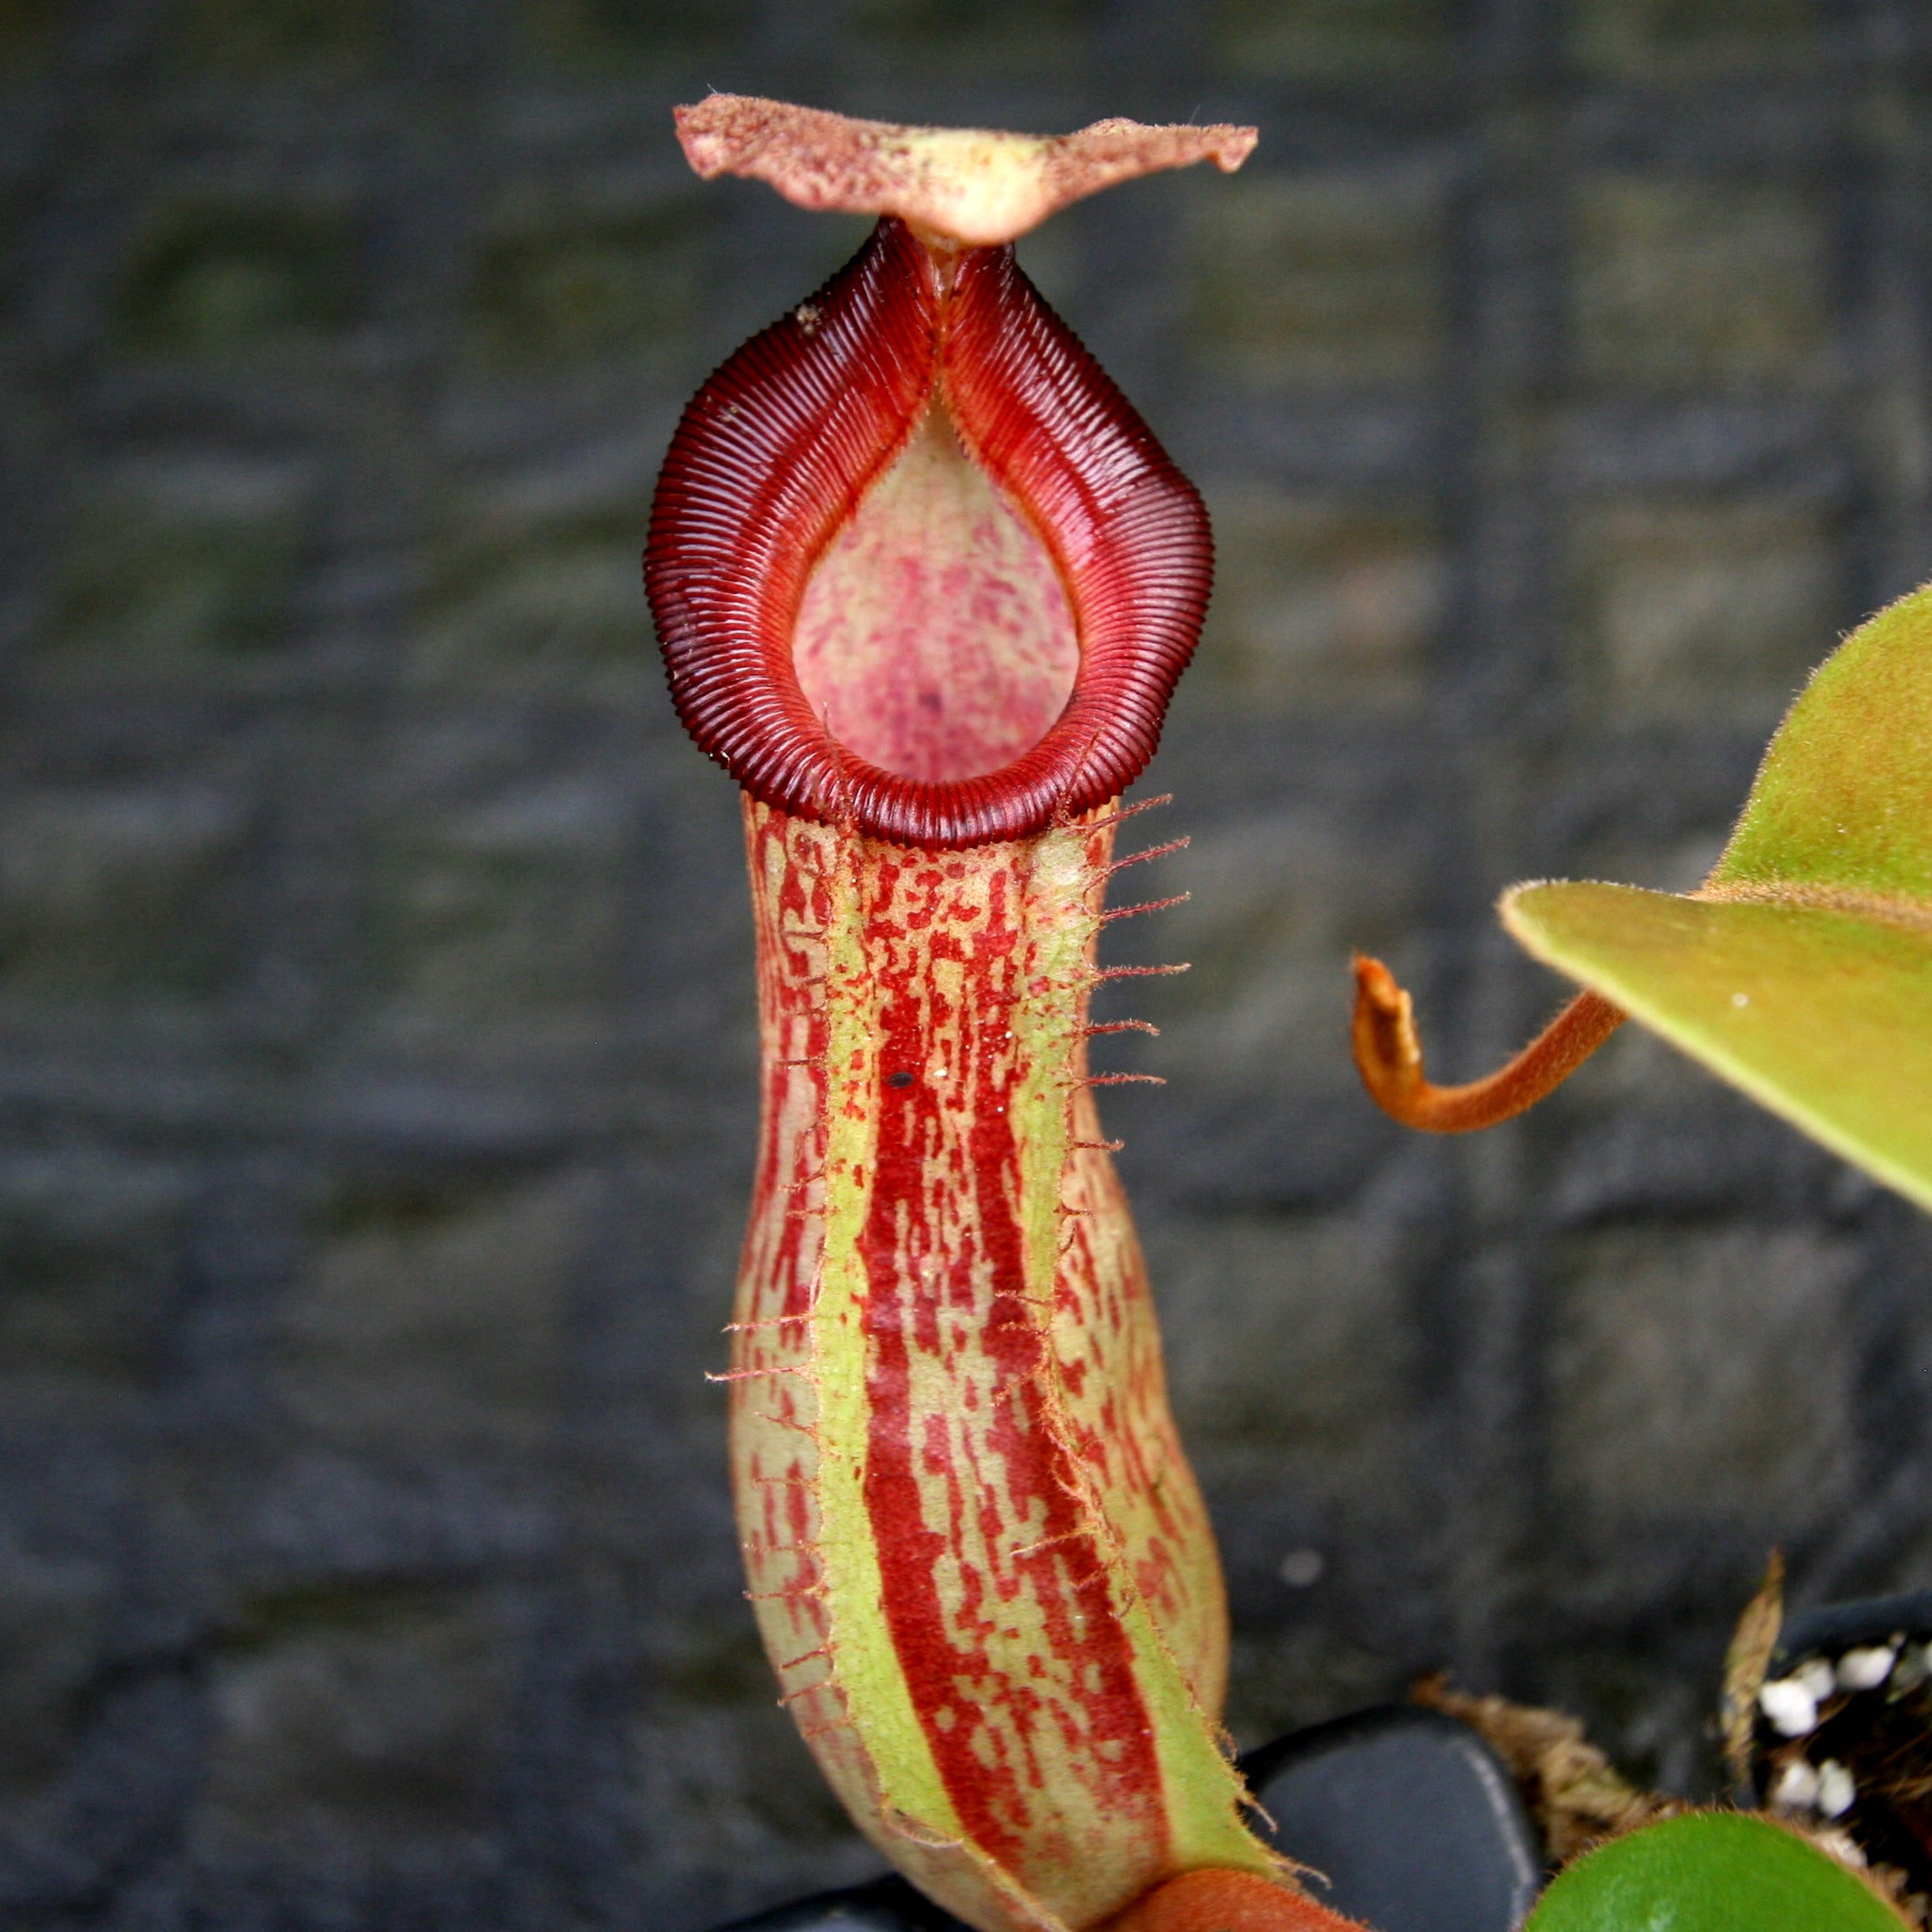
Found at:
(901, 1079)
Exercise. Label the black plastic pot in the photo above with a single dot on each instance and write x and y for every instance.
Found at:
(1410, 1817)
(1843, 1737)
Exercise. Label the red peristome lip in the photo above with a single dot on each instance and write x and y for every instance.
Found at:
(787, 451)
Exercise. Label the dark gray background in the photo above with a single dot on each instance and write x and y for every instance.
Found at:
(376, 1042)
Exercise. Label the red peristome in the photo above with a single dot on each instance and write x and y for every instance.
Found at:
(777, 450)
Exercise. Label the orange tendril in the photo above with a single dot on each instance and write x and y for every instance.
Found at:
(1389, 1056)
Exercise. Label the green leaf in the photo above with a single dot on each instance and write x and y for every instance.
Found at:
(1823, 1016)
(1801, 970)
(1844, 798)
(1709, 1872)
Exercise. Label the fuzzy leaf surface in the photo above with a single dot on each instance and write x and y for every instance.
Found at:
(1801, 970)
(1824, 1017)
(1709, 1871)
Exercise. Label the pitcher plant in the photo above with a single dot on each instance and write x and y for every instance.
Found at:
(924, 582)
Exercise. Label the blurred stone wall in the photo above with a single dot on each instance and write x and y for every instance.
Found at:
(376, 1042)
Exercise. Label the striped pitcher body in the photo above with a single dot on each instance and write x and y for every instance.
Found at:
(981, 1565)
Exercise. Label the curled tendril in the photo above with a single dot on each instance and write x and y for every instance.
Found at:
(1389, 1056)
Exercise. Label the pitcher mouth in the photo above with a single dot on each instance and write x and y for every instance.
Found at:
(775, 462)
